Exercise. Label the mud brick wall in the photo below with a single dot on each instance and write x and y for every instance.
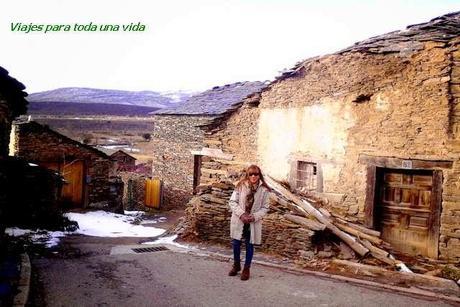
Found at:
(173, 139)
(39, 144)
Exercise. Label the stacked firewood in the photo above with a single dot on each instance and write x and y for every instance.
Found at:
(361, 240)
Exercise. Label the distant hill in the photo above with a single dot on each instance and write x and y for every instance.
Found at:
(99, 96)
(68, 108)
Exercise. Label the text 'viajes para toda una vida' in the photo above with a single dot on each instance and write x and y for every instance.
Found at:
(77, 27)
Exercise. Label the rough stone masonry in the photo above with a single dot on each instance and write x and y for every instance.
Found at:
(394, 96)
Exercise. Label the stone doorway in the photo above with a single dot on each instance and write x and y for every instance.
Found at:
(407, 209)
(403, 200)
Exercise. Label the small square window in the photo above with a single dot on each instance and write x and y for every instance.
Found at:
(306, 175)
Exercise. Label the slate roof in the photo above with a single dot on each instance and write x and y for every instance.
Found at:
(215, 101)
(110, 152)
(33, 126)
(404, 42)
(13, 91)
(440, 29)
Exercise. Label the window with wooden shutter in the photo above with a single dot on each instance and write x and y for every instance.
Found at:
(306, 175)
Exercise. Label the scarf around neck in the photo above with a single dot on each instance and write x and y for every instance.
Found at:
(250, 196)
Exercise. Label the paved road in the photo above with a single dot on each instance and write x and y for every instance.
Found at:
(168, 278)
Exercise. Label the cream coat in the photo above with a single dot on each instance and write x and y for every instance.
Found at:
(259, 209)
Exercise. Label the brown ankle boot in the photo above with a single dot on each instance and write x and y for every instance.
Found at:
(235, 269)
(245, 274)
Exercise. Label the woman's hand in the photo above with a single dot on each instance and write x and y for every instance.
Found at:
(247, 218)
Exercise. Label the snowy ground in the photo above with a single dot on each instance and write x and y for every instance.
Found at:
(98, 224)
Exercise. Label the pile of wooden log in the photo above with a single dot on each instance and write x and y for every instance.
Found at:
(361, 240)
(208, 219)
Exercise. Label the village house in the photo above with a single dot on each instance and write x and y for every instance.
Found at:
(124, 161)
(88, 172)
(177, 133)
(373, 130)
(12, 104)
(24, 187)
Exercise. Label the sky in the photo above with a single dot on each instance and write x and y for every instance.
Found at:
(189, 45)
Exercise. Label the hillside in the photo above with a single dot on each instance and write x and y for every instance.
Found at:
(87, 109)
(102, 96)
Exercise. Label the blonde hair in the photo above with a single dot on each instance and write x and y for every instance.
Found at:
(246, 176)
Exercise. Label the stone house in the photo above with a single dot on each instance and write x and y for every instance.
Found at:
(89, 173)
(373, 130)
(124, 161)
(28, 193)
(177, 132)
(12, 104)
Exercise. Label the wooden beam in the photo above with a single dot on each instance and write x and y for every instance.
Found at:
(368, 231)
(369, 202)
(392, 162)
(352, 242)
(310, 224)
(359, 234)
(379, 254)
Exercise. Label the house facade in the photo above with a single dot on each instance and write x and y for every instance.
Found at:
(177, 134)
(373, 130)
(124, 161)
(89, 173)
(24, 187)
(12, 104)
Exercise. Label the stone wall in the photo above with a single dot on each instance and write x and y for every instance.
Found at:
(39, 144)
(173, 139)
(449, 241)
(134, 191)
(5, 127)
(341, 106)
(208, 214)
(28, 196)
(405, 108)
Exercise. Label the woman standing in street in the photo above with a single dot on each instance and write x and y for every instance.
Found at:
(249, 204)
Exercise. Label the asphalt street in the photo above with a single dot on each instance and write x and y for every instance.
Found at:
(95, 276)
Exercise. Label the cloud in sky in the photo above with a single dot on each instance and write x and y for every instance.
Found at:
(190, 45)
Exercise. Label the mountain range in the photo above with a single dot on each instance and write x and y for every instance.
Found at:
(91, 101)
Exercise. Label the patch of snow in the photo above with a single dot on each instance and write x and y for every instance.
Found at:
(124, 147)
(114, 146)
(401, 267)
(129, 149)
(146, 222)
(17, 232)
(95, 223)
(106, 224)
(167, 240)
(49, 238)
(135, 213)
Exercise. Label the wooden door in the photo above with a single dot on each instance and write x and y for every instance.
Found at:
(153, 193)
(408, 211)
(73, 174)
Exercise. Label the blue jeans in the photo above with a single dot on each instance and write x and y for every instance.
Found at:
(249, 249)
